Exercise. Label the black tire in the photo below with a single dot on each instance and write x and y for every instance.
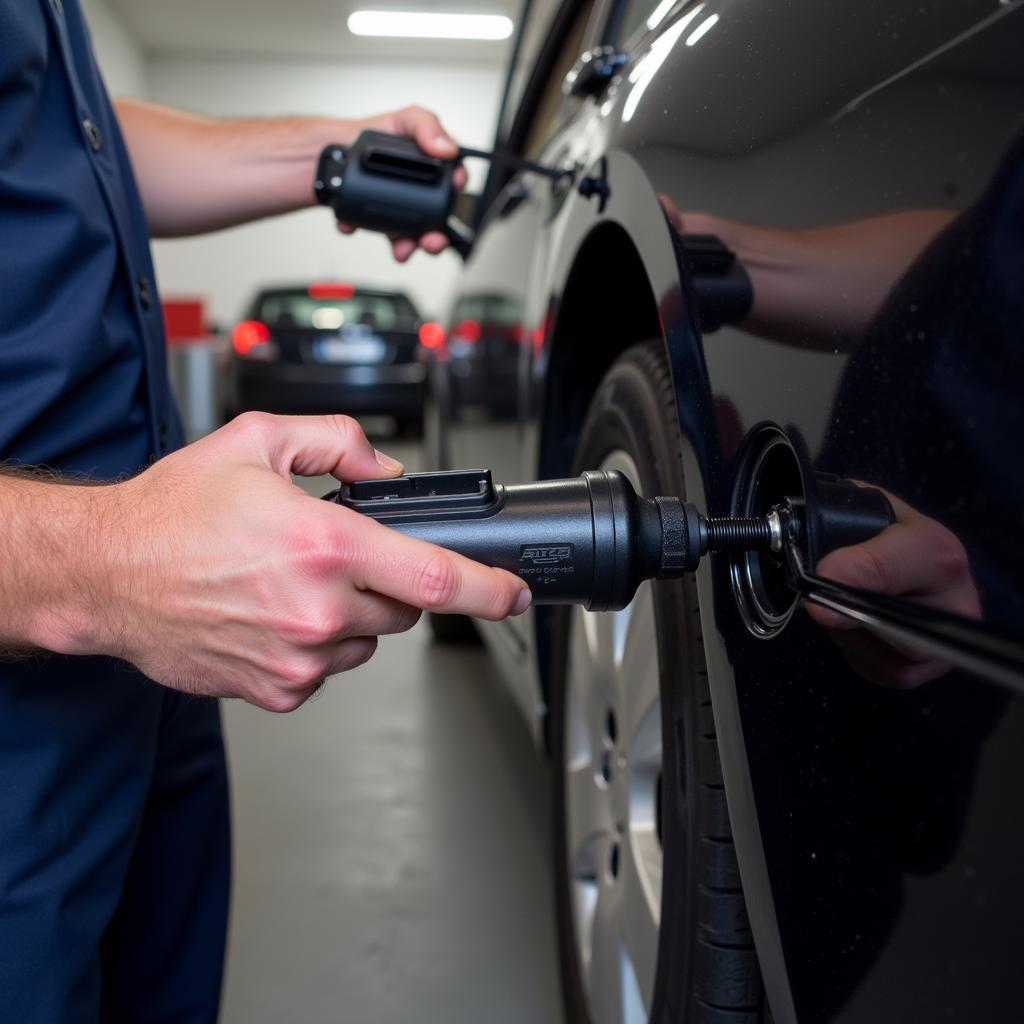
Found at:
(453, 629)
(707, 969)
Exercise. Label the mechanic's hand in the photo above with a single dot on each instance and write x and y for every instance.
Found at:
(916, 558)
(232, 581)
(426, 129)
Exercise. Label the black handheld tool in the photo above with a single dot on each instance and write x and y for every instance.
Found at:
(590, 540)
(387, 183)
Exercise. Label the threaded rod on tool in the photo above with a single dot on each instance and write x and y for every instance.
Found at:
(734, 533)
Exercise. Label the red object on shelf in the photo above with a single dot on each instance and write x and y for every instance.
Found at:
(185, 321)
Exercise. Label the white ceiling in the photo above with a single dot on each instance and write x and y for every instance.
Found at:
(297, 28)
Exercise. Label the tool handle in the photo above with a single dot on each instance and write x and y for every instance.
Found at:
(386, 183)
(588, 540)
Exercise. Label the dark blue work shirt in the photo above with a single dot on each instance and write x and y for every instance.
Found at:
(83, 373)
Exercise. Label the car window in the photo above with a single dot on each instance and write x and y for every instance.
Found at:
(538, 18)
(490, 309)
(300, 310)
(552, 107)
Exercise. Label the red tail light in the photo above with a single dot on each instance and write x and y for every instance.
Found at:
(248, 335)
(468, 330)
(328, 290)
(431, 335)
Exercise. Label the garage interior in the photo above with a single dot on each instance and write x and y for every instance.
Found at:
(728, 379)
(238, 59)
(390, 838)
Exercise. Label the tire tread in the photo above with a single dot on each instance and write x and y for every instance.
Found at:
(727, 981)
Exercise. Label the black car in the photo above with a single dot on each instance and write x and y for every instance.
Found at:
(787, 257)
(329, 347)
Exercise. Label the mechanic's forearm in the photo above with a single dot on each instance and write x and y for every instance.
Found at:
(56, 548)
(817, 285)
(199, 174)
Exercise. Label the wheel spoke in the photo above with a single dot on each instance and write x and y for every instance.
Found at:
(605, 976)
(641, 906)
(589, 682)
(588, 814)
(598, 628)
(639, 683)
(584, 906)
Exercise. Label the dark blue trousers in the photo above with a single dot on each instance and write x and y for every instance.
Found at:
(114, 847)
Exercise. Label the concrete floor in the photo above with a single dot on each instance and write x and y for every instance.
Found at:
(391, 853)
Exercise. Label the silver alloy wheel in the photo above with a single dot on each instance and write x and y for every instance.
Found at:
(613, 774)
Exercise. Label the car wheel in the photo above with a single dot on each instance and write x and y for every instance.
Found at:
(651, 918)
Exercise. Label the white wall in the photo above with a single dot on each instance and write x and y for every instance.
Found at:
(118, 52)
(227, 267)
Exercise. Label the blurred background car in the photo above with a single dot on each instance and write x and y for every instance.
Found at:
(483, 350)
(329, 347)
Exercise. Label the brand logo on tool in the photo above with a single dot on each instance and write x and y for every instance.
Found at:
(547, 554)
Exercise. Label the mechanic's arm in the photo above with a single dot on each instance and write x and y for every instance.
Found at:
(811, 284)
(214, 574)
(200, 174)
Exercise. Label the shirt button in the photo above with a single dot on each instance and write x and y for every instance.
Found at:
(92, 133)
(145, 295)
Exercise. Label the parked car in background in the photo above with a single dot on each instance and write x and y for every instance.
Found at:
(329, 347)
(483, 347)
(790, 247)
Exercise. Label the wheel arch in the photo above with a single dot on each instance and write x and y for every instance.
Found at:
(589, 337)
(627, 257)
(585, 341)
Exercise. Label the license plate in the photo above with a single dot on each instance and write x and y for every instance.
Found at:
(341, 350)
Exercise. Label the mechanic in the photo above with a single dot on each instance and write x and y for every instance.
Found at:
(209, 572)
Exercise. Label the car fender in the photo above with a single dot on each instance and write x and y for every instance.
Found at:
(587, 246)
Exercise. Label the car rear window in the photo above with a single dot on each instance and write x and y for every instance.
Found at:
(299, 310)
(491, 309)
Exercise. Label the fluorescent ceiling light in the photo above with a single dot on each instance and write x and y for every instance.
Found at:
(423, 25)
(702, 29)
(648, 66)
(659, 12)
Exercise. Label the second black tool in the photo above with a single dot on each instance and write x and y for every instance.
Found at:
(386, 183)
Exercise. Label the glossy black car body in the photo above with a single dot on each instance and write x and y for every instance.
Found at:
(329, 347)
(879, 829)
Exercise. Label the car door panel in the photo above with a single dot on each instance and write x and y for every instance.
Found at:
(875, 806)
